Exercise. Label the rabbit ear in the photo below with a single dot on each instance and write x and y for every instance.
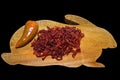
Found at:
(74, 19)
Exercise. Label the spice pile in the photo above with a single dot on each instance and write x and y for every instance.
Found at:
(57, 42)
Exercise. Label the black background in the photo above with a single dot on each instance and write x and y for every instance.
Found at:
(104, 14)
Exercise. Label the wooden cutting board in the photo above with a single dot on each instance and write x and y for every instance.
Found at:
(95, 39)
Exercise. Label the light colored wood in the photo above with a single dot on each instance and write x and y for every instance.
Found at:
(92, 43)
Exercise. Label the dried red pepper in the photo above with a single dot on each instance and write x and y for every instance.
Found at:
(57, 42)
